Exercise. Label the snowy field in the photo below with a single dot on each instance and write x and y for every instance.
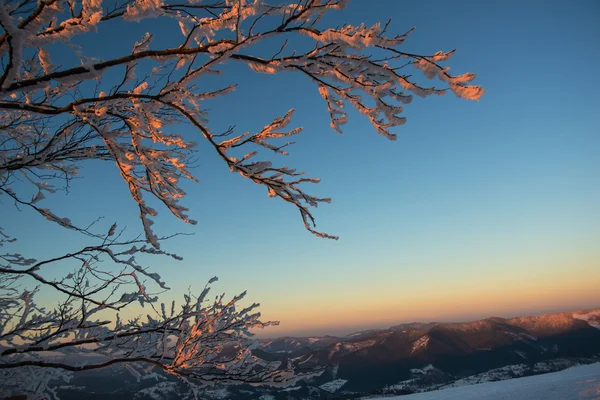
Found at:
(581, 382)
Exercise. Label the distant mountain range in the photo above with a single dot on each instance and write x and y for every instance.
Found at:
(437, 354)
(417, 357)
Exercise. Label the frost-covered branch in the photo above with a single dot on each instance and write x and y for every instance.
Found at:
(55, 115)
(201, 341)
(51, 124)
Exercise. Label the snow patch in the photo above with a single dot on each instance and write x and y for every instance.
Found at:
(334, 385)
(580, 382)
(498, 374)
(592, 318)
(160, 391)
(358, 345)
(521, 354)
(420, 344)
(424, 370)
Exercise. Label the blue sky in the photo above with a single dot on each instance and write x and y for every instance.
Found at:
(479, 208)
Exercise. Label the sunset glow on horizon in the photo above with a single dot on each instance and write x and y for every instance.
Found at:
(470, 303)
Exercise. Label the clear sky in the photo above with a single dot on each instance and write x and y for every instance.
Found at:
(478, 209)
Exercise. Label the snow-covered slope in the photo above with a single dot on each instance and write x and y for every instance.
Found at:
(581, 382)
(592, 318)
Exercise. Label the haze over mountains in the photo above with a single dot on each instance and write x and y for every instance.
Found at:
(417, 357)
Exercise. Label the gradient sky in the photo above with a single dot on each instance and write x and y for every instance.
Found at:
(478, 209)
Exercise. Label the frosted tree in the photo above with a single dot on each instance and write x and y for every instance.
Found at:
(54, 116)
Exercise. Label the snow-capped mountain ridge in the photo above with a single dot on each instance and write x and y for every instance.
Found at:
(371, 360)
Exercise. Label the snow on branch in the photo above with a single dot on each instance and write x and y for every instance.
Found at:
(128, 123)
(206, 342)
(128, 110)
(200, 340)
